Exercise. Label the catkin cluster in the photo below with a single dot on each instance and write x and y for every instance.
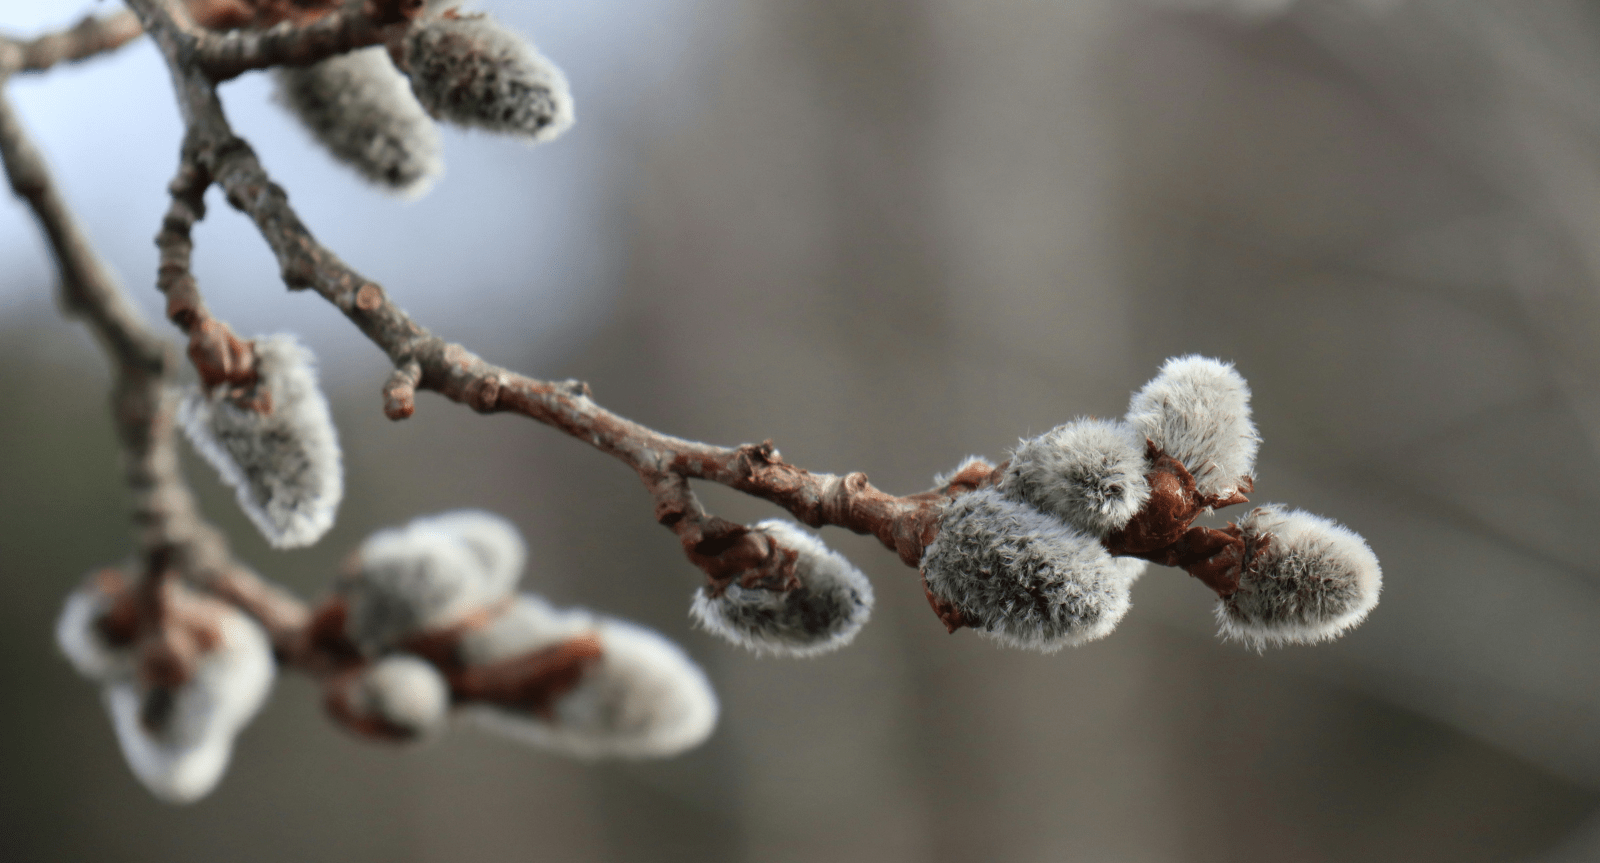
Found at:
(461, 68)
(444, 588)
(176, 732)
(1028, 561)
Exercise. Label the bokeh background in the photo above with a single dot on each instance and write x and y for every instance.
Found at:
(887, 234)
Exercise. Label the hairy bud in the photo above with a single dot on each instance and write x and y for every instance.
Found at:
(1305, 579)
(1197, 410)
(494, 541)
(638, 695)
(830, 605)
(360, 108)
(399, 697)
(177, 739)
(1090, 473)
(468, 69)
(81, 638)
(1025, 578)
(429, 574)
(274, 443)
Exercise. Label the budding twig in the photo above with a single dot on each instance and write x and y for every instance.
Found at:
(90, 36)
(664, 463)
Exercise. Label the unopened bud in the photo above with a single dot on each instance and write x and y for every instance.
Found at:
(1022, 577)
(1090, 473)
(1197, 410)
(399, 697)
(361, 109)
(428, 575)
(1305, 579)
(471, 70)
(275, 443)
(177, 738)
(831, 603)
(641, 697)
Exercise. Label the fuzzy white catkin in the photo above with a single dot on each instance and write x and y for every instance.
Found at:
(1198, 410)
(1313, 580)
(428, 574)
(832, 603)
(405, 692)
(1024, 578)
(469, 69)
(183, 757)
(643, 697)
(284, 462)
(495, 542)
(81, 641)
(1090, 473)
(361, 110)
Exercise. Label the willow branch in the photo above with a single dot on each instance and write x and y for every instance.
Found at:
(93, 35)
(425, 361)
(282, 35)
(170, 529)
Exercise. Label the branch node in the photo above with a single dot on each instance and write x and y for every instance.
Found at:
(400, 392)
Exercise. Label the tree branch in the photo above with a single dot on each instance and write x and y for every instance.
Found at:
(89, 37)
(143, 403)
(284, 36)
(423, 360)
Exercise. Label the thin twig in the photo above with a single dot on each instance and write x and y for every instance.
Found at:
(93, 35)
(425, 361)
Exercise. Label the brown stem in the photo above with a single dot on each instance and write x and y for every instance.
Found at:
(664, 463)
(1164, 532)
(90, 36)
(286, 33)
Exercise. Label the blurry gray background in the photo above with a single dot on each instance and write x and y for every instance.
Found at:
(887, 234)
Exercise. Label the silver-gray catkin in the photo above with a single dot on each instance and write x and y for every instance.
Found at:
(1024, 578)
(404, 692)
(470, 70)
(415, 579)
(178, 742)
(1090, 473)
(362, 111)
(281, 454)
(1311, 580)
(1198, 410)
(642, 698)
(832, 603)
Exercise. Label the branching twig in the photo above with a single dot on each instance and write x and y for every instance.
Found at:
(170, 528)
(301, 40)
(91, 36)
(423, 360)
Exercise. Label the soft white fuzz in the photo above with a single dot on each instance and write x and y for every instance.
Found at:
(1024, 578)
(1090, 473)
(495, 541)
(468, 69)
(832, 603)
(643, 698)
(1198, 411)
(1313, 580)
(427, 575)
(406, 693)
(284, 461)
(360, 108)
(80, 639)
(178, 742)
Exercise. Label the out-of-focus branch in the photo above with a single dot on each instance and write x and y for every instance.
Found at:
(425, 361)
(289, 35)
(93, 35)
(171, 532)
